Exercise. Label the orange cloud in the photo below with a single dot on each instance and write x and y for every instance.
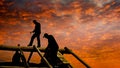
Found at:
(91, 31)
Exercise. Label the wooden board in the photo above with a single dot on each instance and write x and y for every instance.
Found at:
(23, 48)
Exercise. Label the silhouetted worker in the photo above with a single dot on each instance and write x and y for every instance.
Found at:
(37, 32)
(51, 50)
(16, 58)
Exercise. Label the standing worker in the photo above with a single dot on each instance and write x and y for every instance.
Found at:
(36, 33)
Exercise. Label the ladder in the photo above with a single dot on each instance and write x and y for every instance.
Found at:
(63, 62)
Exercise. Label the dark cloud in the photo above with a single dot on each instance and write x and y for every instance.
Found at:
(69, 15)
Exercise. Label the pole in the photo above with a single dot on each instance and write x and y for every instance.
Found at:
(70, 51)
(30, 56)
(50, 66)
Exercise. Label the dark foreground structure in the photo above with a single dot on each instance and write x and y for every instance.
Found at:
(24, 63)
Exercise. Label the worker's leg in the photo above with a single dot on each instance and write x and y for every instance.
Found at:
(38, 40)
(32, 39)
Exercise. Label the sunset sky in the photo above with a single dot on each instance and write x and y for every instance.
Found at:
(91, 28)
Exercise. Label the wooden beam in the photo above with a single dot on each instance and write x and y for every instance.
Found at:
(70, 51)
(29, 57)
(24, 48)
(40, 54)
(14, 48)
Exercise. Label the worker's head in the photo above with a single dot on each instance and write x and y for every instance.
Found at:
(34, 21)
(45, 35)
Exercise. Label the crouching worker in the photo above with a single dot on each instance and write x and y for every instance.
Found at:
(51, 50)
(16, 58)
